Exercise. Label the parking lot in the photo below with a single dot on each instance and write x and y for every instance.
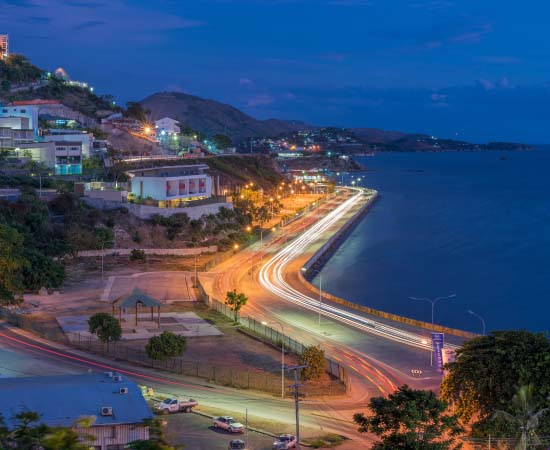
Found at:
(197, 433)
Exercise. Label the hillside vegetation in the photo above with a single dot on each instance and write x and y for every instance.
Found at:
(16, 70)
(75, 97)
(212, 117)
(233, 170)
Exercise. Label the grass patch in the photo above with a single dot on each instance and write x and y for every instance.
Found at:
(327, 441)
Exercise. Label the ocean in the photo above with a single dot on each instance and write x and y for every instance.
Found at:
(473, 224)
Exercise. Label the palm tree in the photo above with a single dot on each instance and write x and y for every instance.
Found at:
(527, 419)
(235, 301)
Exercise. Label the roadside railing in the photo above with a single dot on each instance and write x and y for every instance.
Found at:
(277, 338)
(226, 375)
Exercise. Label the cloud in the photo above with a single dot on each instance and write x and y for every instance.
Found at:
(437, 97)
(499, 60)
(89, 24)
(456, 32)
(245, 81)
(473, 36)
(434, 5)
(486, 84)
(120, 21)
(334, 57)
(260, 100)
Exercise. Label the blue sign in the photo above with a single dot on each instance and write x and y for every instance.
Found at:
(438, 341)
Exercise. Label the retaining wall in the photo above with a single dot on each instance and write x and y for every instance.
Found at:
(322, 255)
(149, 251)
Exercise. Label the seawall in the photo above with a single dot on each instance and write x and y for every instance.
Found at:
(321, 256)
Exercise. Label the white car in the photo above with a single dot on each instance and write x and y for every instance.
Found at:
(284, 442)
(229, 424)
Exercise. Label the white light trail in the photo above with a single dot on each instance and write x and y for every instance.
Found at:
(271, 277)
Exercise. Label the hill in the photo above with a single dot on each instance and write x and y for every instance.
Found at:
(212, 117)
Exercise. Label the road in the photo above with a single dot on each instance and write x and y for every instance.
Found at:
(380, 354)
(23, 354)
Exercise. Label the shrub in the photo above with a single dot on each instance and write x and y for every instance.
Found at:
(137, 255)
(314, 358)
(165, 346)
(105, 326)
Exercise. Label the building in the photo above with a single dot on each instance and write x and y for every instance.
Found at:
(28, 111)
(4, 46)
(68, 158)
(115, 404)
(167, 125)
(61, 134)
(171, 184)
(15, 131)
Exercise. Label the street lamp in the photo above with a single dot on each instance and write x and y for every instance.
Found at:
(282, 354)
(480, 318)
(433, 302)
(304, 269)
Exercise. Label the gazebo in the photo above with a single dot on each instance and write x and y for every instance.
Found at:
(134, 300)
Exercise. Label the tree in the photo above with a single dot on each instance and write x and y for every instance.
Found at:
(484, 378)
(526, 420)
(410, 419)
(29, 434)
(105, 326)
(12, 264)
(235, 302)
(221, 141)
(165, 346)
(157, 440)
(136, 111)
(314, 358)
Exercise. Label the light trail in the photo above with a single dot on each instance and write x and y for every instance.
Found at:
(271, 277)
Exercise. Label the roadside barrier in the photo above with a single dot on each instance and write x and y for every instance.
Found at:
(333, 369)
(224, 375)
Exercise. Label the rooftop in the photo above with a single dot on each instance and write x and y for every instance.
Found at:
(170, 171)
(61, 400)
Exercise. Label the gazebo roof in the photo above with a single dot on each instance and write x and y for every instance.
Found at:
(138, 297)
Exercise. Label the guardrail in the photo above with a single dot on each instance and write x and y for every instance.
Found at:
(276, 337)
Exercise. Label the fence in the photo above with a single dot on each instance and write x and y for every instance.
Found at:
(225, 375)
(273, 335)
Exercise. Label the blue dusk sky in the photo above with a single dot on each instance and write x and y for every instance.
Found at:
(469, 69)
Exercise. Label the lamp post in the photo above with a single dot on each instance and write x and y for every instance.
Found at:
(320, 289)
(275, 322)
(480, 318)
(433, 303)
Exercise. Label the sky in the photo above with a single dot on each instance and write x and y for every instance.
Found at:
(475, 70)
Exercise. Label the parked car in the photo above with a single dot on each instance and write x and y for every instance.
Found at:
(237, 444)
(284, 442)
(174, 405)
(229, 424)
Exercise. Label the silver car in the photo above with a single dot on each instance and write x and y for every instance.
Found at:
(284, 442)
(229, 424)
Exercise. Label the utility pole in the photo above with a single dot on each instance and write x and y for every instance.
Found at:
(296, 386)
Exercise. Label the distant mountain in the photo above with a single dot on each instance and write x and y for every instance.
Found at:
(211, 117)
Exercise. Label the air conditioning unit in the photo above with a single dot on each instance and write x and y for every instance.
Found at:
(109, 374)
(123, 391)
(117, 378)
(106, 410)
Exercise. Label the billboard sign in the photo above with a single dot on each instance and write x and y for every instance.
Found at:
(438, 341)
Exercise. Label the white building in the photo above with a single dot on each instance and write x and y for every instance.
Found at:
(172, 184)
(4, 46)
(167, 125)
(84, 138)
(15, 131)
(27, 111)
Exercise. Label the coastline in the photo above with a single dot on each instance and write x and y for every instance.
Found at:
(323, 254)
